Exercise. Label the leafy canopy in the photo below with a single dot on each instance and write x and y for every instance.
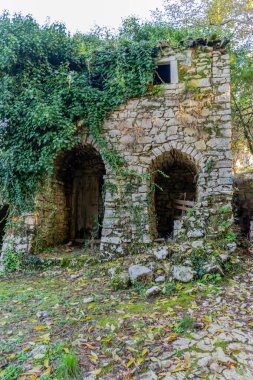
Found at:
(53, 84)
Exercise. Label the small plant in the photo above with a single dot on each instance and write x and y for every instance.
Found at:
(199, 259)
(225, 209)
(211, 278)
(120, 282)
(12, 260)
(231, 236)
(186, 323)
(69, 368)
(34, 261)
(139, 287)
(209, 166)
(11, 372)
(190, 212)
(169, 288)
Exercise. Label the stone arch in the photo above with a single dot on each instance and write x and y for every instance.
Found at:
(175, 177)
(80, 171)
(193, 154)
(72, 206)
(91, 141)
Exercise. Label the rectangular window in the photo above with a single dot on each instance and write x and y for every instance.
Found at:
(162, 74)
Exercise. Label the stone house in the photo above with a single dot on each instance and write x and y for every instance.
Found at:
(175, 180)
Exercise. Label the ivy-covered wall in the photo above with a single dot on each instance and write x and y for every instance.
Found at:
(190, 118)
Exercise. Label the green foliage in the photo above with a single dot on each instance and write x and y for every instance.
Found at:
(12, 260)
(231, 236)
(190, 211)
(115, 282)
(54, 86)
(241, 88)
(118, 282)
(199, 259)
(225, 209)
(185, 324)
(209, 166)
(169, 288)
(139, 287)
(11, 372)
(211, 278)
(69, 368)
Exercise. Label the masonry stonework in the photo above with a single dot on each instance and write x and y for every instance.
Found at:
(184, 124)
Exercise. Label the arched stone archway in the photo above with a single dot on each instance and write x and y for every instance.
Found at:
(175, 176)
(81, 171)
(72, 208)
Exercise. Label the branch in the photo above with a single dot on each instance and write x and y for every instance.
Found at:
(247, 22)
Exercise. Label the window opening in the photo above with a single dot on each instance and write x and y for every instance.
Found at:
(162, 74)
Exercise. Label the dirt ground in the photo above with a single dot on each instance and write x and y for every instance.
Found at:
(198, 330)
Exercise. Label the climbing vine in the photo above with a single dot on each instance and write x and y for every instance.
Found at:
(54, 86)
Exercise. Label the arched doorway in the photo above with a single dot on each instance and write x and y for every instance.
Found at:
(81, 171)
(175, 178)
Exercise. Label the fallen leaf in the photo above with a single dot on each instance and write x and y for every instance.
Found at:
(93, 357)
(37, 328)
(96, 371)
(131, 361)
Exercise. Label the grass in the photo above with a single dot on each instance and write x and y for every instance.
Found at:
(69, 368)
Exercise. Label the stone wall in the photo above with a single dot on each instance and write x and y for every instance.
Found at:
(19, 236)
(189, 117)
(53, 215)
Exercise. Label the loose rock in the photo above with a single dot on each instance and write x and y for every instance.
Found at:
(88, 300)
(140, 273)
(182, 273)
(153, 291)
(160, 279)
(161, 253)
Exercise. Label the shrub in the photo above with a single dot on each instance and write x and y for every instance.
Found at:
(12, 260)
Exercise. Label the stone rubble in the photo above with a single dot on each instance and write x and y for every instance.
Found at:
(140, 273)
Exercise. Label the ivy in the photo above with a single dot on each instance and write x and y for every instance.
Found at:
(54, 86)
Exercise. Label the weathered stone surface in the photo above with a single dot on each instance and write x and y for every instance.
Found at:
(88, 300)
(161, 253)
(154, 291)
(150, 375)
(182, 273)
(195, 233)
(121, 281)
(140, 273)
(213, 267)
(231, 247)
(160, 279)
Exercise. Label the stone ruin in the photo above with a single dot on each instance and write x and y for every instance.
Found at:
(176, 178)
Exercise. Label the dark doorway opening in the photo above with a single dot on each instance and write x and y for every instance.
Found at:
(82, 170)
(243, 206)
(175, 178)
(3, 219)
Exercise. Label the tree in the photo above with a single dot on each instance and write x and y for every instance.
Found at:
(233, 18)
